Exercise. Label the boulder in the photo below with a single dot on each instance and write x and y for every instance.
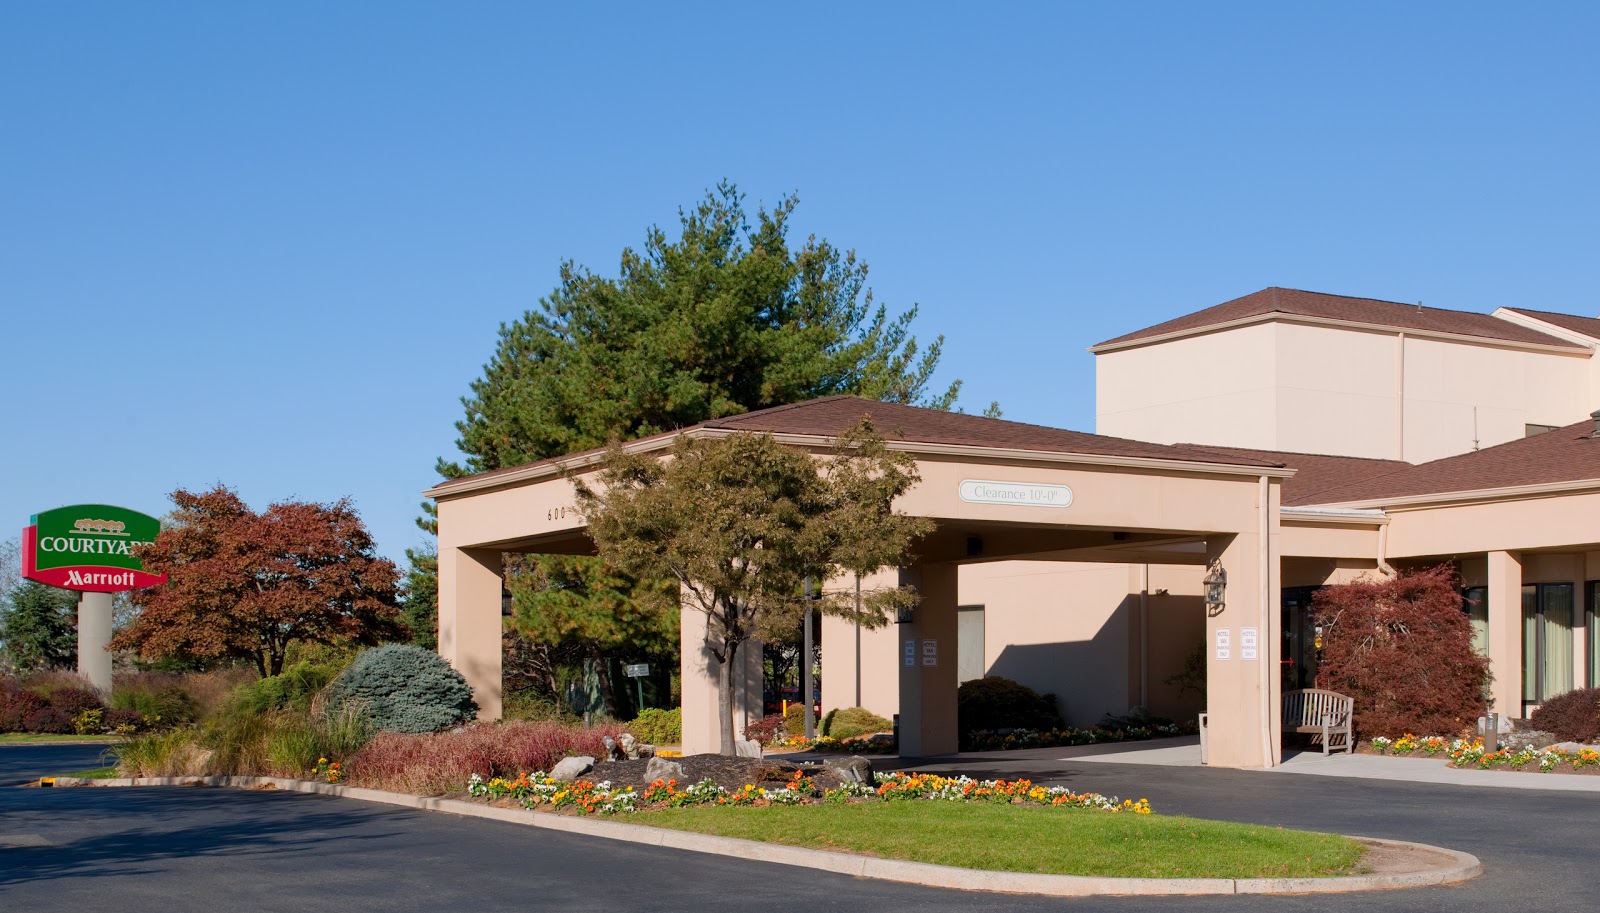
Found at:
(572, 768)
(850, 769)
(630, 746)
(746, 748)
(662, 769)
(613, 750)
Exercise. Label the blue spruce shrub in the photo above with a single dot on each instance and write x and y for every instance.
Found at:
(404, 689)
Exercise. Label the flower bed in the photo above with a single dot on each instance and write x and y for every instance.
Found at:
(995, 741)
(584, 797)
(1465, 753)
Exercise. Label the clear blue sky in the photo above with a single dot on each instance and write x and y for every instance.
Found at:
(270, 244)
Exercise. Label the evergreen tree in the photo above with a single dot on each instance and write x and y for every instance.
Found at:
(39, 629)
(728, 317)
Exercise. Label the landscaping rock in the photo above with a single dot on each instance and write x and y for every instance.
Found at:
(613, 751)
(662, 769)
(850, 769)
(746, 748)
(630, 746)
(1527, 738)
(572, 768)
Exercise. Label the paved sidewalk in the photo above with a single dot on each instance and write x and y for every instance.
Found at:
(1185, 752)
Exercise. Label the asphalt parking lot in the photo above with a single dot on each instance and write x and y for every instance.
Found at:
(175, 849)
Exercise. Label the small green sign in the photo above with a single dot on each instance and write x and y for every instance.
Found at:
(89, 547)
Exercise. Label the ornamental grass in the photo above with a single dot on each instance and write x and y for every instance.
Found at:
(438, 763)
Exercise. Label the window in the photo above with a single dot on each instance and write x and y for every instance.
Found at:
(1475, 602)
(1547, 617)
(1594, 634)
(969, 643)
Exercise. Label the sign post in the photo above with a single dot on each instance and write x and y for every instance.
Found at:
(637, 672)
(89, 548)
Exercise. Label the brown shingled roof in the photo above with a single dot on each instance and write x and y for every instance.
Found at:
(1588, 326)
(1570, 454)
(1294, 302)
(1314, 472)
(833, 415)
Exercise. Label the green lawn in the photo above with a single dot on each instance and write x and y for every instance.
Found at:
(1014, 838)
(26, 738)
(98, 773)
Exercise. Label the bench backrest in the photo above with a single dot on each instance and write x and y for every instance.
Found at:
(1311, 706)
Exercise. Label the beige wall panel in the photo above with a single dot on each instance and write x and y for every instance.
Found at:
(469, 621)
(545, 507)
(1216, 388)
(698, 670)
(1565, 522)
(879, 672)
(1126, 499)
(1329, 540)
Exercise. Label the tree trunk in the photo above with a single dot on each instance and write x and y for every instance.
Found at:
(608, 691)
(725, 697)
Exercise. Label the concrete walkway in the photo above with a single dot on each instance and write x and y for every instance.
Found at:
(1185, 752)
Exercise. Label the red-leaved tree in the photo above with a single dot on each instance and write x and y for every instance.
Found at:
(1402, 647)
(246, 584)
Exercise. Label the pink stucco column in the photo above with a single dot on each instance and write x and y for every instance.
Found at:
(1505, 631)
(469, 621)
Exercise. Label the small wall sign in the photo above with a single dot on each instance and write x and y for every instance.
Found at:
(930, 653)
(911, 653)
(89, 548)
(1247, 643)
(1224, 643)
(1023, 494)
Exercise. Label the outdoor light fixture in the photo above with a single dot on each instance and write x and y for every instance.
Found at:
(1216, 581)
(902, 615)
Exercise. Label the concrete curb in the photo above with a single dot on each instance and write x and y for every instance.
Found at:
(1459, 866)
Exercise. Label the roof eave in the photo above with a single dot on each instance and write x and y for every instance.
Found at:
(1273, 316)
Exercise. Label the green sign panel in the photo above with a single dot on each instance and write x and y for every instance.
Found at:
(89, 547)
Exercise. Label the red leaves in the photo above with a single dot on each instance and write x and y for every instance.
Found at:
(1403, 649)
(246, 584)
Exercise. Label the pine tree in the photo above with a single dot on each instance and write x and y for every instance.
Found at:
(38, 628)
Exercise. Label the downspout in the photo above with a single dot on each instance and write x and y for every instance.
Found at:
(1266, 645)
(1383, 553)
(1144, 636)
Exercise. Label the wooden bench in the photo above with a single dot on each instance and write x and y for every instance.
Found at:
(1324, 715)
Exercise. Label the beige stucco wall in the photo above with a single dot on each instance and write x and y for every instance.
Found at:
(1215, 388)
(1312, 388)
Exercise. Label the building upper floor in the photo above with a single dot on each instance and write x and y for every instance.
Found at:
(1289, 370)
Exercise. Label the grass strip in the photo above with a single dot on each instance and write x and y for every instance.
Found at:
(1013, 838)
(98, 773)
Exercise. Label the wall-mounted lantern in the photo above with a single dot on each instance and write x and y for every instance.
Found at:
(902, 615)
(1216, 584)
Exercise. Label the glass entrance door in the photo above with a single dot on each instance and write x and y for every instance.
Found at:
(1299, 653)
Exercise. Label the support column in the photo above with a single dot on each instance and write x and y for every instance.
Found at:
(927, 662)
(1505, 631)
(94, 634)
(1244, 696)
(470, 624)
(698, 673)
(877, 662)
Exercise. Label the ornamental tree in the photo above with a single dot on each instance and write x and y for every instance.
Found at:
(245, 584)
(37, 626)
(1402, 648)
(739, 522)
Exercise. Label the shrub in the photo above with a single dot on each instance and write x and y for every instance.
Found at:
(18, 706)
(124, 722)
(531, 705)
(849, 722)
(994, 702)
(655, 726)
(794, 719)
(74, 701)
(404, 689)
(159, 701)
(175, 753)
(437, 763)
(1571, 717)
(294, 688)
(47, 720)
(1402, 648)
(765, 729)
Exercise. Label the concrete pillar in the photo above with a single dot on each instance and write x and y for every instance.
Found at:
(698, 673)
(927, 663)
(470, 621)
(1505, 631)
(1244, 695)
(94, 633)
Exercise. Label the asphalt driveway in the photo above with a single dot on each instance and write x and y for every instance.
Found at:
(172, 850)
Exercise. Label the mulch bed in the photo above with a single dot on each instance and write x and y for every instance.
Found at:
(728, 773)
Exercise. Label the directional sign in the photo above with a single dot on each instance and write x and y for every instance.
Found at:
(89, 548)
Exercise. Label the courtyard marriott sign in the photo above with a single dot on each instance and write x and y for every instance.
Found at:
(89, 548)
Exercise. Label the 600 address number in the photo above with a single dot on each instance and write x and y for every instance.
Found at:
(561, 513)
